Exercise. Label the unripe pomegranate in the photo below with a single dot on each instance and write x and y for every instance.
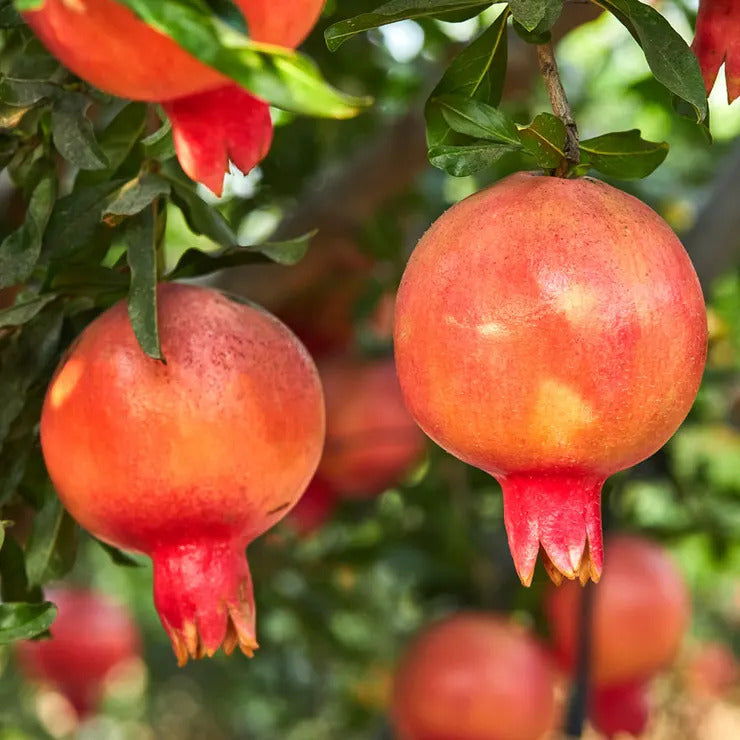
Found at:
(717, 41)
(104, 43)
(190, 459)
(474, 677)
(620, 709)
(371, 440)
(90, 637)
(551, 332)
(641, 612)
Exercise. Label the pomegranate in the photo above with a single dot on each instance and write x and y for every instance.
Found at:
(474, 677)
(717, 41)
(104, 43)
(188, 460)
(641, 612)
(551, 332)
(371, 440)
(90, 637)
(618, 709)
(712, 671)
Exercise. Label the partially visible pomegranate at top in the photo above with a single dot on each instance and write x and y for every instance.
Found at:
(91, 636)
(106, 44)
(641, 612)
(190, 459)
(371, 440)
(615, 710)
(474, 676)
(717, 42)
(552, 332)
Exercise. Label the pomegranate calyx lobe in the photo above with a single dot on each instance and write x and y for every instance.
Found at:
(717, 41)
(213, 127)
(203, 594)
(560, 512)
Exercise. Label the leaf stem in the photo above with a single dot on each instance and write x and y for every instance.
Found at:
(559, 103)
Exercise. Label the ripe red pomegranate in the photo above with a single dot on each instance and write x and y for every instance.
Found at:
(371, 440)
(641, 612)
(190, 460)
(717, 41)
(90, 636)
(712, 671)
(104, 43)
(550, 332)
(474, 677)
(619, 709)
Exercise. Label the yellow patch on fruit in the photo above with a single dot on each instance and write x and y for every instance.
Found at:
(576, 302)
(559, 414)
(65, 383)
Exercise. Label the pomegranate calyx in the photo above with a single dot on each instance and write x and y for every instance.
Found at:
(203, 594)
(560, 512)
(717, 41)
(216, 126)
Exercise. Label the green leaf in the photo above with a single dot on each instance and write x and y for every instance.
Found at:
(13, 572)
(476, 72)
(200, 217)
(22, 312)
(25, 93)
(136, 194)
(461, 161)
(25, 358)
(20, 250)
(118, 556)
(75, 218)
(194, 262)
(536, 14)
(544, 139)
(20, 621)
(23, 5)
(280, 76)
(478, 119)
(623, 154)
(73, 135)
(160, 145)
(398, 10)
(52, 545)
(142, 297)
(669, 57)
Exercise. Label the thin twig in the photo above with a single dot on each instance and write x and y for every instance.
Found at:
(579, 698)
(559, 102)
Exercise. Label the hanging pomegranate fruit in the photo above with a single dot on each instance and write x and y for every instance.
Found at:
(474, 677)
(104, 43)
(551, 332)
(90, 637)
(717, 42)
(190, 459)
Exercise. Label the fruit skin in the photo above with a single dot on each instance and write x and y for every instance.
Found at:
(371, 440)
(474, 677)
(104, 43)
(618, 709)
(190, 460)
(717, 41)
(550, 332)
(90, 636)
(640, 615)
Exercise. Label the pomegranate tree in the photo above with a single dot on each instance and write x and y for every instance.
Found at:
(104, 43)
(641, 612)
(551, 332)
(371, 440)
(474, 677)
(90, 637)
(190, 459)
(717, 41)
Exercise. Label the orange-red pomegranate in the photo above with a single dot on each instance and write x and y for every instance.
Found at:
(712, 671)
(474, 677)
(90, 637)
(314, 508)
(620, 709)
(550, 332)
(641, 612)
(371, 440)
(717, 41)
(103, 42)
(190, 460)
